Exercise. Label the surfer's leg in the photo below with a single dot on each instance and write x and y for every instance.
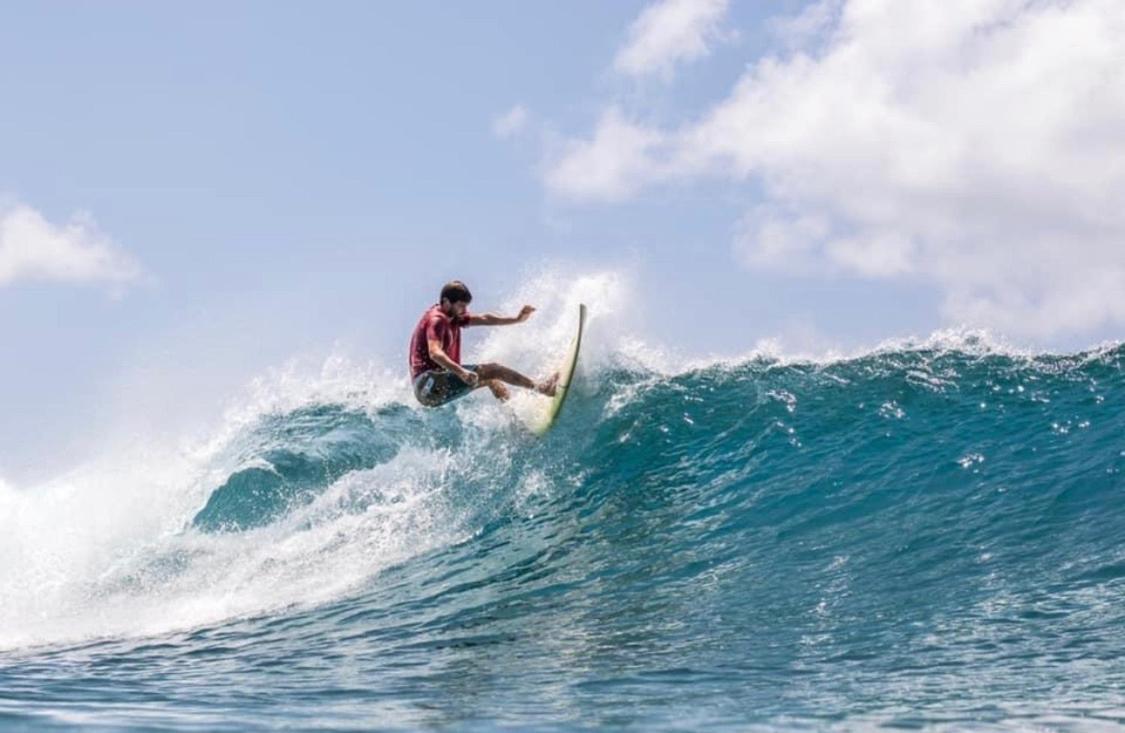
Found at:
(504, 374)
(499, 391)
(511, 376)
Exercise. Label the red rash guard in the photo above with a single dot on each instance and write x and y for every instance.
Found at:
(436, 326)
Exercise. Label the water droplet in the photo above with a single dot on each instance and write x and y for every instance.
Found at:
(971, 459)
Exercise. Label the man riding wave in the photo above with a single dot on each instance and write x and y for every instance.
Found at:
(435, 353)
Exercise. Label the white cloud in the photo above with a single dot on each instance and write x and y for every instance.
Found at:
(974, 144)
(511, 123)
(611, 166)
(808, 26)
(782, 240)
(667, 32)
(32, 248)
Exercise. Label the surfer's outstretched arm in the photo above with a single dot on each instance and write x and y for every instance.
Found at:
(491, 319)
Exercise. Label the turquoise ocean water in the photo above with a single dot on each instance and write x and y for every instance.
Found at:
(916, 537)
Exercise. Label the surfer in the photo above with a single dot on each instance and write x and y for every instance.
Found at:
(435, 353)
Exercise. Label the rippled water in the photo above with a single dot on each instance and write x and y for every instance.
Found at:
(918, 537)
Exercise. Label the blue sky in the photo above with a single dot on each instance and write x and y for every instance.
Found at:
(209, 189)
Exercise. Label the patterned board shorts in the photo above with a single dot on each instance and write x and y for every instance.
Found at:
(434, 388)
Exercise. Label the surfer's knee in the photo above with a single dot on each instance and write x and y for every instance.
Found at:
(488, 371)
(499, 391)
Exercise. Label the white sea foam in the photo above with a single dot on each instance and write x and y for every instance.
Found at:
(614, 312)
(534, 348)
(961, 340)
(108, 549)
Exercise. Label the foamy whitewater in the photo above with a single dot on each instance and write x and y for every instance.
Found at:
(928, 534)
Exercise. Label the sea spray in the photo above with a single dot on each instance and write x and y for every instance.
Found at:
(926, 534)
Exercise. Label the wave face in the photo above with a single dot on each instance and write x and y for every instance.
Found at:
(919, 537)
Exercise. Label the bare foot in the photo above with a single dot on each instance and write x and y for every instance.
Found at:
(547, 386)
(499, 391)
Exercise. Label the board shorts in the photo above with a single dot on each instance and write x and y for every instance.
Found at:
(434, 388)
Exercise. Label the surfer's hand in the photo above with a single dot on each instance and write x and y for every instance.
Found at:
(470, 378)
(525, 313)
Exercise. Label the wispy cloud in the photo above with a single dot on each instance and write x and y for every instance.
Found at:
(32, 248)
(808, 26)
(611, 166)
(511, 123)
(973, 144)
(668, 32)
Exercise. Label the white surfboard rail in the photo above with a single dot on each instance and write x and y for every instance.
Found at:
(566, 374)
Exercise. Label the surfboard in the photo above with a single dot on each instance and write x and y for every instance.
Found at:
(566, 375)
